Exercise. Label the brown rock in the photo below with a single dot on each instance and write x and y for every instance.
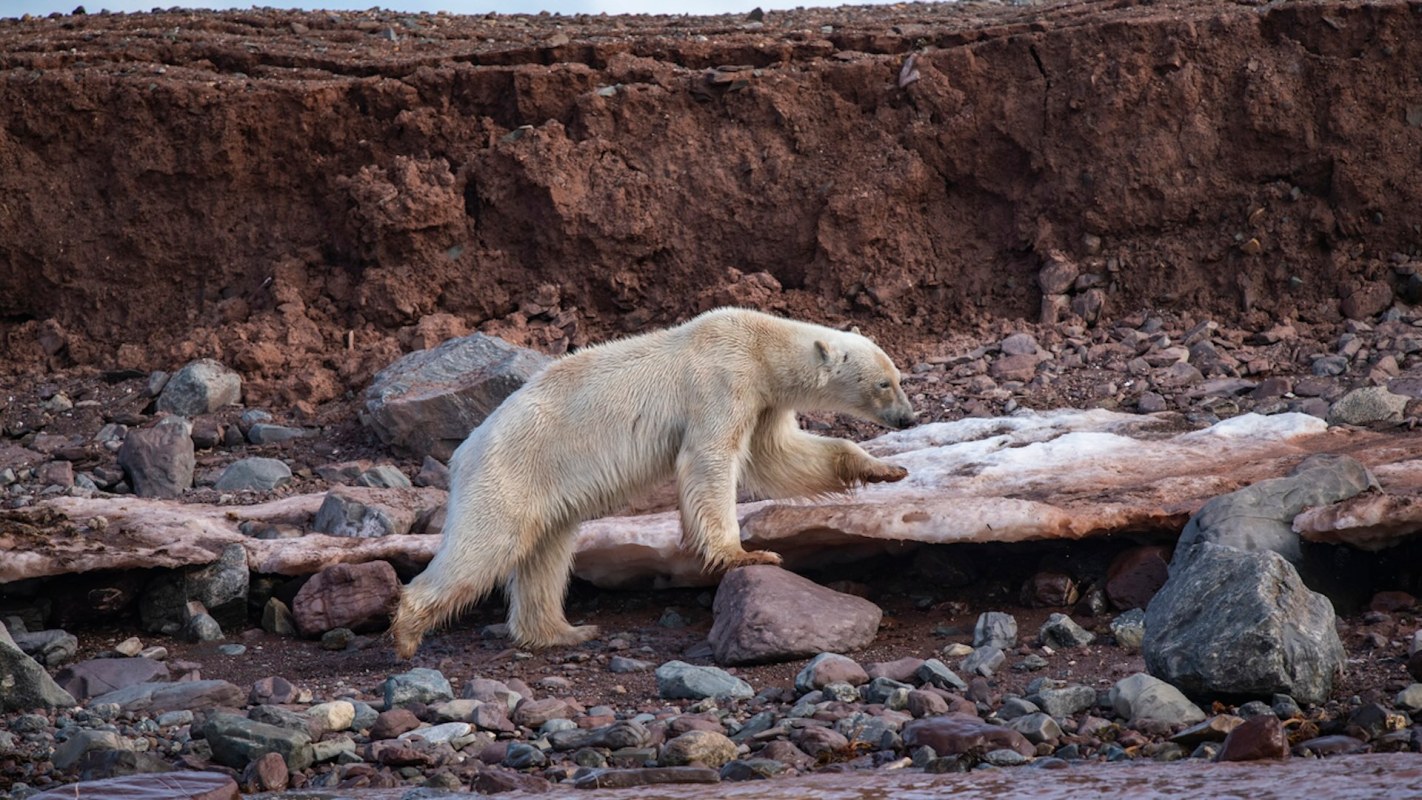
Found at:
(902, 670)
(267, 774)
(1258, 738)
(355, 596)
(393, 722)
(273, 690)
(1390, 602)
(533, 713)
(1057, 274)
(96, 676)
(787, 753)
(1048, 589)
(1136, 575)
(1214, 729)
(926, 704)
(159, 461)
(961, 733)
(1014, 368)
(497, 781)
(765, 613)
(703, 748)
(647, 776)
(817, 742)
(1369, 299)
(492, 717)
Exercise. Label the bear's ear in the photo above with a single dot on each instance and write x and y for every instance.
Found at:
(855, 330)
(826, 353)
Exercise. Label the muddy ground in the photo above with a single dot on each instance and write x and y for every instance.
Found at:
(305, 196)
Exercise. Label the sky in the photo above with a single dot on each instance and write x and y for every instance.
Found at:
(14, 8)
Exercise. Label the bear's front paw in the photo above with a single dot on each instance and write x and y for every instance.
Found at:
(751, 557)
(885, 473)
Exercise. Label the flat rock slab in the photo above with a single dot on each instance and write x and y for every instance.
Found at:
(765, 613)
(162, 786)
(1061, 474)
(145, 533)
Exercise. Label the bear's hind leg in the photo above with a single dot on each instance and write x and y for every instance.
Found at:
(537, 589)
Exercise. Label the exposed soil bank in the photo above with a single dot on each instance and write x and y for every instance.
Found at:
(287, 191)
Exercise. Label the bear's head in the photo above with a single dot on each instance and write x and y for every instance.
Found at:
(860, 380)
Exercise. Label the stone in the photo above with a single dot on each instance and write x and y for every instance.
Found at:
(1135, 575)
(51, 648)
(827, 668)
(1061, 632)
(267, 433)
(98, 676)
(221, 587)
(1367, 406)
(393, 722)
(703, 748)
(237, 741)
(1129, 630)
(80, 742)
(1256, 738)
(337, 639)
(623, 664)
(159, 697)
(1141, 696)
(202, 627)
(200, 387)
(1057, 274)
(419, 685)
(679, 680)
(1020, 344)
(984, 661)
(1038, 727)
(1050, 589)
(159, 461)
(278, 619)
(821, 743)
(935, 673)
(253, 475)
(1367, 300)
(360, 597)
(428, 401)
(433, 473)
(167, 786)
(1063, 701)
(26, 685)
(332, 717)
(534, 713)
(1334, 745)
(343, 515)
(1014, 367)
(764, 613)
(274, 690)
(953, 734)
(440, 734)
(995, 629)
(1214, 729)
(1260, 517)
(1410, 699)
(387, 476)
(1235, 623)
(752, 769)
(903, 669)
(268, 773)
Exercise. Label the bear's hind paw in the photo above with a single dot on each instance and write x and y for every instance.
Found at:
(885, 473)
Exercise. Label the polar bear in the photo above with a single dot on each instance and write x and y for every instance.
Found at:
(711, 402)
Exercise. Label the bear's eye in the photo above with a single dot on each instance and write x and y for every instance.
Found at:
(883, 384)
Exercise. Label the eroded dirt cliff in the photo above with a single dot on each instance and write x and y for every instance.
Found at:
(304, 194)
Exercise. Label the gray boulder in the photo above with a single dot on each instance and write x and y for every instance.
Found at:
(1141, 696)
(343, 515)
(427, 402)
(267, 433)
(50, 648)
(221, 587)
(67, 755)
(1063, 700)
(680, 680)
(419, 685)
(25, 683)
(200, 387)
(764, 613)
(1368, 405)
(1062, 632)
(1261, 516)
(253, 475)
(1129, 629)
(995, 629)
(386, 476)
(159, 461)
(1242, 624)
(238, 741)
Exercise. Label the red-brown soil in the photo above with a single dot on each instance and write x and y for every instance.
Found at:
(303, 195)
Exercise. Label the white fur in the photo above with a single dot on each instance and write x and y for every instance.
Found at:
(711, 402)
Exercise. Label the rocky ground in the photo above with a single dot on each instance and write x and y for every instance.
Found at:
(304, 197)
